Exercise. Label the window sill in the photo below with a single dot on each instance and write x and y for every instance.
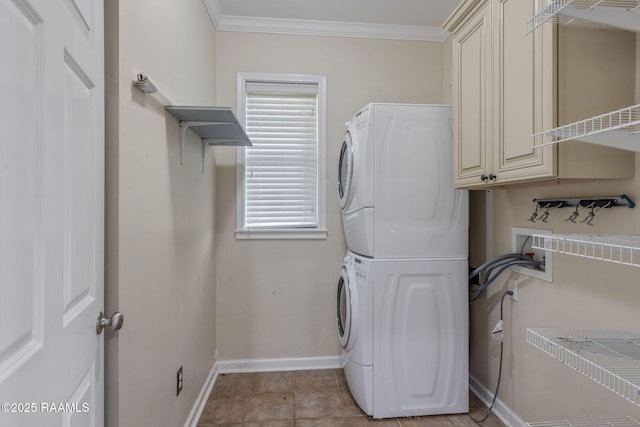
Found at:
(283, 234)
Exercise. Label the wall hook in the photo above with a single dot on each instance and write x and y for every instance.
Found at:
(590, 215)
(549, 206)
(534, 215)
(574, 214)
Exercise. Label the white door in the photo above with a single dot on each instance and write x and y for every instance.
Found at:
(51, 212)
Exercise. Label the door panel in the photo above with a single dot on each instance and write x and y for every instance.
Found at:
(80, 199)
(21, 215)
(516, 62)
(83, 397)
(83, 13)
(51, 210)
(471, 90)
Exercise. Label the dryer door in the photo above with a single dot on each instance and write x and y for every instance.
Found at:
(346, 172)
(344, 308)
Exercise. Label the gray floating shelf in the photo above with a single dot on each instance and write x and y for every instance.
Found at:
(214, 125)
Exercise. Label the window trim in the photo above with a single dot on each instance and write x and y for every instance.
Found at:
(319, 232)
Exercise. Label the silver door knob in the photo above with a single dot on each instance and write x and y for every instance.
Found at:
(115, 322)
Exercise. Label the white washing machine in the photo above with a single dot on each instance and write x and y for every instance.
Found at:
(403, 327)
(395, 183)
(355, 328)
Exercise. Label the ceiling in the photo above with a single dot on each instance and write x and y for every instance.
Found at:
(389, 19)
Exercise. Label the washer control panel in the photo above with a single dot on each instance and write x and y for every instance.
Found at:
(361, 268)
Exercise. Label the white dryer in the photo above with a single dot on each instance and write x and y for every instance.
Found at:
(395, 183)
(403, 328)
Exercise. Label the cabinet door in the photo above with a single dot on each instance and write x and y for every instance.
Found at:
(472, 99)
(519, 60)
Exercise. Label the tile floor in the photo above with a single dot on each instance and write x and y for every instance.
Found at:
(318, 398)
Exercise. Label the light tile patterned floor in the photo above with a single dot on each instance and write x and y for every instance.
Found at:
(318, 398)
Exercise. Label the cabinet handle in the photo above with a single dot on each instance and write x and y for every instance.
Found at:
(492, 177)
(484, 177)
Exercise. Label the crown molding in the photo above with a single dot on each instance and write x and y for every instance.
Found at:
(214, 10)
(459, 14)
(321, 28)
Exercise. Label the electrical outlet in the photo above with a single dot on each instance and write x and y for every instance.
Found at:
(179, 381)
(513, 287)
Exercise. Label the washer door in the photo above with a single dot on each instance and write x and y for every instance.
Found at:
(346, 309)
(346, 175)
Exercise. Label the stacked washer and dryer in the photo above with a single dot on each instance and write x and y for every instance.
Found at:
(402, 299)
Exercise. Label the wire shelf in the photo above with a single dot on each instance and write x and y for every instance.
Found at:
(610, 358)
(618, 249)
(619, 129)
(602, 422)
(616, 13)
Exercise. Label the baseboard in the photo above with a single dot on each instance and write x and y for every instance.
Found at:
(201, 401)
(502, 411)
(255, 365)
(272, 365)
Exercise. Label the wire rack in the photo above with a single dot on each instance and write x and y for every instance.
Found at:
(610, 358)
(619, 129)
(602, 422)
(617, 13)
(618, 249)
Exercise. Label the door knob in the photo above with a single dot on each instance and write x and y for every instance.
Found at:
(115, 322)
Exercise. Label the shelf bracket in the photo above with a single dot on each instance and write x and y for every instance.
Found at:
(216, 141)
(204, 154)
(184, 125)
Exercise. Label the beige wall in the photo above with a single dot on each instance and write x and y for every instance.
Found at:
(160, 253)
(447, 71)
(583, 294)
(276, 299)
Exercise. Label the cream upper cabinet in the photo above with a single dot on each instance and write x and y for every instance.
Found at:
(518, 99)
(508, 85)
(471, 87)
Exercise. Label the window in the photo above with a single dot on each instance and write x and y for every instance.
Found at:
(281, 178)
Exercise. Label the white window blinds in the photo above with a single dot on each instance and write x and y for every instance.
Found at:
(281, 168)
